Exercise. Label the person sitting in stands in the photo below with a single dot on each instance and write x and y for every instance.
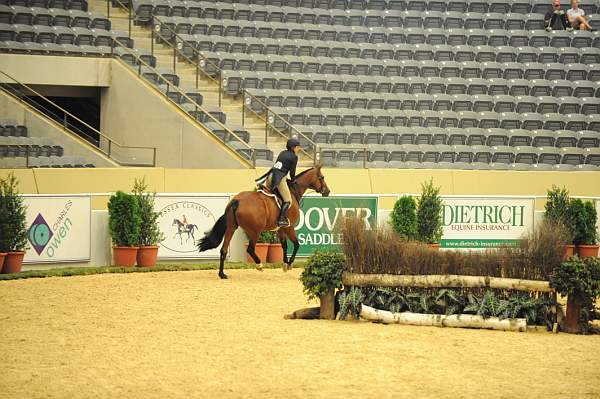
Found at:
(576, 17)
(556, 18)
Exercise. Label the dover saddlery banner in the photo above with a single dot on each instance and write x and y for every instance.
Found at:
(320, 219)
(59, 228)
(485, 222)
(183, 220)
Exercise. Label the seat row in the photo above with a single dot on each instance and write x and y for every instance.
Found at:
(370, 18)
(464, 119)
(361, 135)
(61, 4)
(234, 82)
(464, 154)
(386, 51)
(52, 17)
(376, 35)
(424, 102)
(395, 68)
(28, 146)
(10, 127)
(462, 6)
(62, 35)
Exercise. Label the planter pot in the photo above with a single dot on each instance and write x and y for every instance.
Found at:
(261, 250)
(125, 256)
(435, 245)
(146, 256)
(327, 308)
(588, 251)
(275, 254)
(569, 251)
(13, 262)
(2, 255)
(574, 305)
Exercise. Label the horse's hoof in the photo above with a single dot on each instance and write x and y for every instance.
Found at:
(259, 267)
(284, 267)
(222, 276)
(288, 267)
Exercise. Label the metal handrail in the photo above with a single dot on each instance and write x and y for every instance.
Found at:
(197, 107)
(65, 124)
(201, 58)
(268, 124)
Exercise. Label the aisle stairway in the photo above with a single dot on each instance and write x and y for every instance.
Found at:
(231, 106)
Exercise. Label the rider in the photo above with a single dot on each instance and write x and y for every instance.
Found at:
(184, 221)
(276, 177)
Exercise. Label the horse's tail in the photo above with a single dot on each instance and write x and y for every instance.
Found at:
(213, 238)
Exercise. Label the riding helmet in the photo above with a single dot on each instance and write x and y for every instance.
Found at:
(291, 143)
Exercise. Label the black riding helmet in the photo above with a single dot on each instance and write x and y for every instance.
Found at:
(291, 143)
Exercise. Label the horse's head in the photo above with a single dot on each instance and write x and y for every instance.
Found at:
(317, 181)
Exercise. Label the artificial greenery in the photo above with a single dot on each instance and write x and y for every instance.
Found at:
(483, 302)
(124, 219)
(429, 214)
(322, 273)
(268, 237)
(403, 218)
(583, 215)
(558, 207)
(13, 213)
(150, 233)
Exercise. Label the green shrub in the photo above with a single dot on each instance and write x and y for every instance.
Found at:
(584, 217)
(404, 217)
(558, 207)
(268, 237)
(429, 214)
(577, 276)
(13, 213)
(150, 233)
(323, 271)
(124, 219)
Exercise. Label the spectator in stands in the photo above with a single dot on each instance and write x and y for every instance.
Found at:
(556, 18)
(576, 17)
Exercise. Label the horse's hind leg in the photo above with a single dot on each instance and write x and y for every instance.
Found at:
(225, 248)
(251, 246)
(291, 233)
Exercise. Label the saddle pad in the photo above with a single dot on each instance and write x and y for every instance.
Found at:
(271, 195)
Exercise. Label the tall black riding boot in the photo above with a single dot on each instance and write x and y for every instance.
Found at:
(283, 222)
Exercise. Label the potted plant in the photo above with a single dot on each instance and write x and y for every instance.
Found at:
(403, 218)
(150, 234)
(579, 279)
(429, 215)
(261, 248)
(584, 218)
(558, 210)
(13, 228)
(124, 224)
(321, 276)
(275, 254)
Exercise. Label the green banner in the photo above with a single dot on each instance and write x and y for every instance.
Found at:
(478, 243)
(320, 220)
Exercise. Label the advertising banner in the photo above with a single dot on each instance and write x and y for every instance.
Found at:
(183, 221)
(320, 220)
(59, 228)
(484, 222)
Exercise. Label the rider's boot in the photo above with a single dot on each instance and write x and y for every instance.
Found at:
(283, 222)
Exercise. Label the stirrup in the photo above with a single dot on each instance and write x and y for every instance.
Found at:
(283, 223)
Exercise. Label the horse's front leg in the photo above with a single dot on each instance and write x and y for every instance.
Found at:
(283, 242)
(291, 233)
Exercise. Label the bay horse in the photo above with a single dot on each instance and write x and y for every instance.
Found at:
(255, 212)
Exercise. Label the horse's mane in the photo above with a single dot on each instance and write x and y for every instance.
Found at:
(303, 172)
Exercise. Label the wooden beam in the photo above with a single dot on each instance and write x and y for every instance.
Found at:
(447, 281)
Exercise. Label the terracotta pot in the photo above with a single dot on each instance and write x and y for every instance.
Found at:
(261, 250)
(434, 245)
(588, 251)
(569, 251)
(146, 256)
(275, 254)
(125, 256)
(13, 262)
(2, 255)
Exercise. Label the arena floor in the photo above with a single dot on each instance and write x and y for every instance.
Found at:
(188, 334)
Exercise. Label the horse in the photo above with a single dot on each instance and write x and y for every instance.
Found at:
(255, 212)
(182, 228)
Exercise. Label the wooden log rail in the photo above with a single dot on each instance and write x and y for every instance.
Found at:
(446, 281)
